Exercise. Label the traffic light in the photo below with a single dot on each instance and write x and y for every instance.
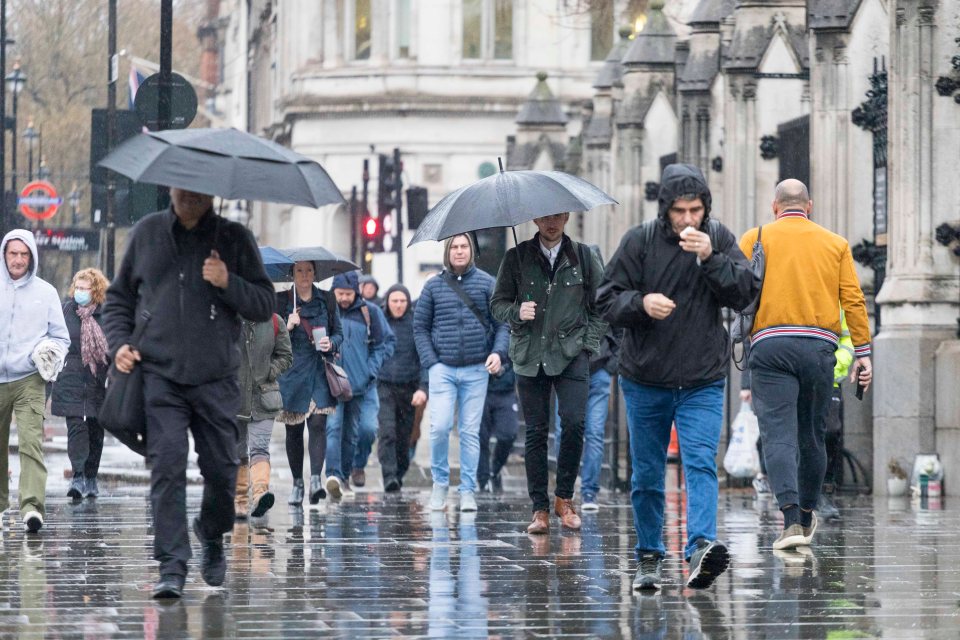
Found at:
(372, 234)
(389, 196)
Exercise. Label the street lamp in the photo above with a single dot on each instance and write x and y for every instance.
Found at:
(30, 135)
(15, 82)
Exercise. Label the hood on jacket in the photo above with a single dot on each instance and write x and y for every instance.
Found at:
(27, 238)
(366, 277)
(683, 180)
(446, 251)
(348, 280)
(386, 296)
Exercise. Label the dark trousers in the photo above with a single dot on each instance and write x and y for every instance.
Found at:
(792, 381)
(572, 387)
(393, 433)
(209, 412)
(499, 421)
(84, 445)
(833, 439)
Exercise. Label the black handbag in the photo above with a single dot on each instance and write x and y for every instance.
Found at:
(122, 413)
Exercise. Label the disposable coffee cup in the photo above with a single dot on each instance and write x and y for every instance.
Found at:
(319, 333)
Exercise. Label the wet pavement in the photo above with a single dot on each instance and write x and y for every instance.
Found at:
(377, 566)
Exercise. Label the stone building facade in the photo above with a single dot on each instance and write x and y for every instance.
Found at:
(751, 91)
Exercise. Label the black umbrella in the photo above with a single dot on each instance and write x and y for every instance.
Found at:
(325, 262)
(226, 163)
(506, 199)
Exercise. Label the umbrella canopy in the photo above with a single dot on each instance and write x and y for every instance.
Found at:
(276, 264)
(325, 262)
(507, 199)
(228, 163)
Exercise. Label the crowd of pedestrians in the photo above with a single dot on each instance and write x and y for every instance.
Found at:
(224, 356)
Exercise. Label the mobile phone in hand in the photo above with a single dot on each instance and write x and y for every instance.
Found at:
(859, 384)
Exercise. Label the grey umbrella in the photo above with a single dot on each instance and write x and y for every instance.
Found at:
(506, 199)
(226, 163)
(325, 262)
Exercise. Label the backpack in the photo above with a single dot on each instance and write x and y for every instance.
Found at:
(742, 325)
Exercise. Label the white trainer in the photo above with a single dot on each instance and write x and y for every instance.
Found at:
(438, 497)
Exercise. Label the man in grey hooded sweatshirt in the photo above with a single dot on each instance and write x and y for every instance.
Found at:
(30, 313)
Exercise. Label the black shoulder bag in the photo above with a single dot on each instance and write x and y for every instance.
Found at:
(467, 300)
(742, 325)
(123, 413)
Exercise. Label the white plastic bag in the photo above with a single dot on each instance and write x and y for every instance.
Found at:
(742, 459)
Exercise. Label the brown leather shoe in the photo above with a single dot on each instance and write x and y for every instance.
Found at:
(358, 477)
(568, 515)
(540, 523)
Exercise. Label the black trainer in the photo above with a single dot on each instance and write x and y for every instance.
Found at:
(213, 564)
(708, 561)
(648, 572)
(170, 585)
(392, 485)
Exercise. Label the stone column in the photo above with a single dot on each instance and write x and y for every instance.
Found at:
(919, 296)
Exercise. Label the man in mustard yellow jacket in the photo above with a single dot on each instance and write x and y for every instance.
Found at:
(795, 333)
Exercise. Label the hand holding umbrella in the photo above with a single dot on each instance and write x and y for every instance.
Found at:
(215, 270)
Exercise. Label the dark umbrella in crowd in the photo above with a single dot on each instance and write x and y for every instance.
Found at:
(506, 199)
(228, 163)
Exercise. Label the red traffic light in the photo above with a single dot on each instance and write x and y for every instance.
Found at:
(371, 227)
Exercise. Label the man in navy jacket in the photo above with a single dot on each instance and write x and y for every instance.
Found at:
(460, 344)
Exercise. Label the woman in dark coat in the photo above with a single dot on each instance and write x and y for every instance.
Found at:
(79, 388)
(306, 395)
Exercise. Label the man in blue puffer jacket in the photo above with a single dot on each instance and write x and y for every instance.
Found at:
(367, 342)
(460, 344)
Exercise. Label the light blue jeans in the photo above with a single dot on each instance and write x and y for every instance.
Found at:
(698, 414)
(462, 391)
(369, 421)
(594, 430)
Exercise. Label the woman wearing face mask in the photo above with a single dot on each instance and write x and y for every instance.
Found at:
(79, 388)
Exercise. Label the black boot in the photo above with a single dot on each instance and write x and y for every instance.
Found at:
(296, 496)
(317, 492)
(77, 487)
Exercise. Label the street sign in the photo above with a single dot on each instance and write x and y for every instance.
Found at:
(183, 103)
(71, 240)
(39, 200)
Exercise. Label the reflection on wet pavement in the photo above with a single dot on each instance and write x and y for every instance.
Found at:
(376, 566)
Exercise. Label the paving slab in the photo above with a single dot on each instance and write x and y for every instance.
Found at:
(384, 566)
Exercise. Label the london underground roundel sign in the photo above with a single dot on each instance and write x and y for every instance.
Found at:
(39, 200)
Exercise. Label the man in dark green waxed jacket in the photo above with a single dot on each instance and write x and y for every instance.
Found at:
(546, 290)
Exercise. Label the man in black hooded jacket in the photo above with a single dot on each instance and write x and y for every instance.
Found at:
(665, 286)
(402, 386)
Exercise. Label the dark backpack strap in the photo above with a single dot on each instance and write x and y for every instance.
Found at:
(586, 265)
(467, 300)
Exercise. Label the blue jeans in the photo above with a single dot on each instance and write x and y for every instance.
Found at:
(369, 421)
(598, 405)
(342, 436)
(460, 390)
(698, 414)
